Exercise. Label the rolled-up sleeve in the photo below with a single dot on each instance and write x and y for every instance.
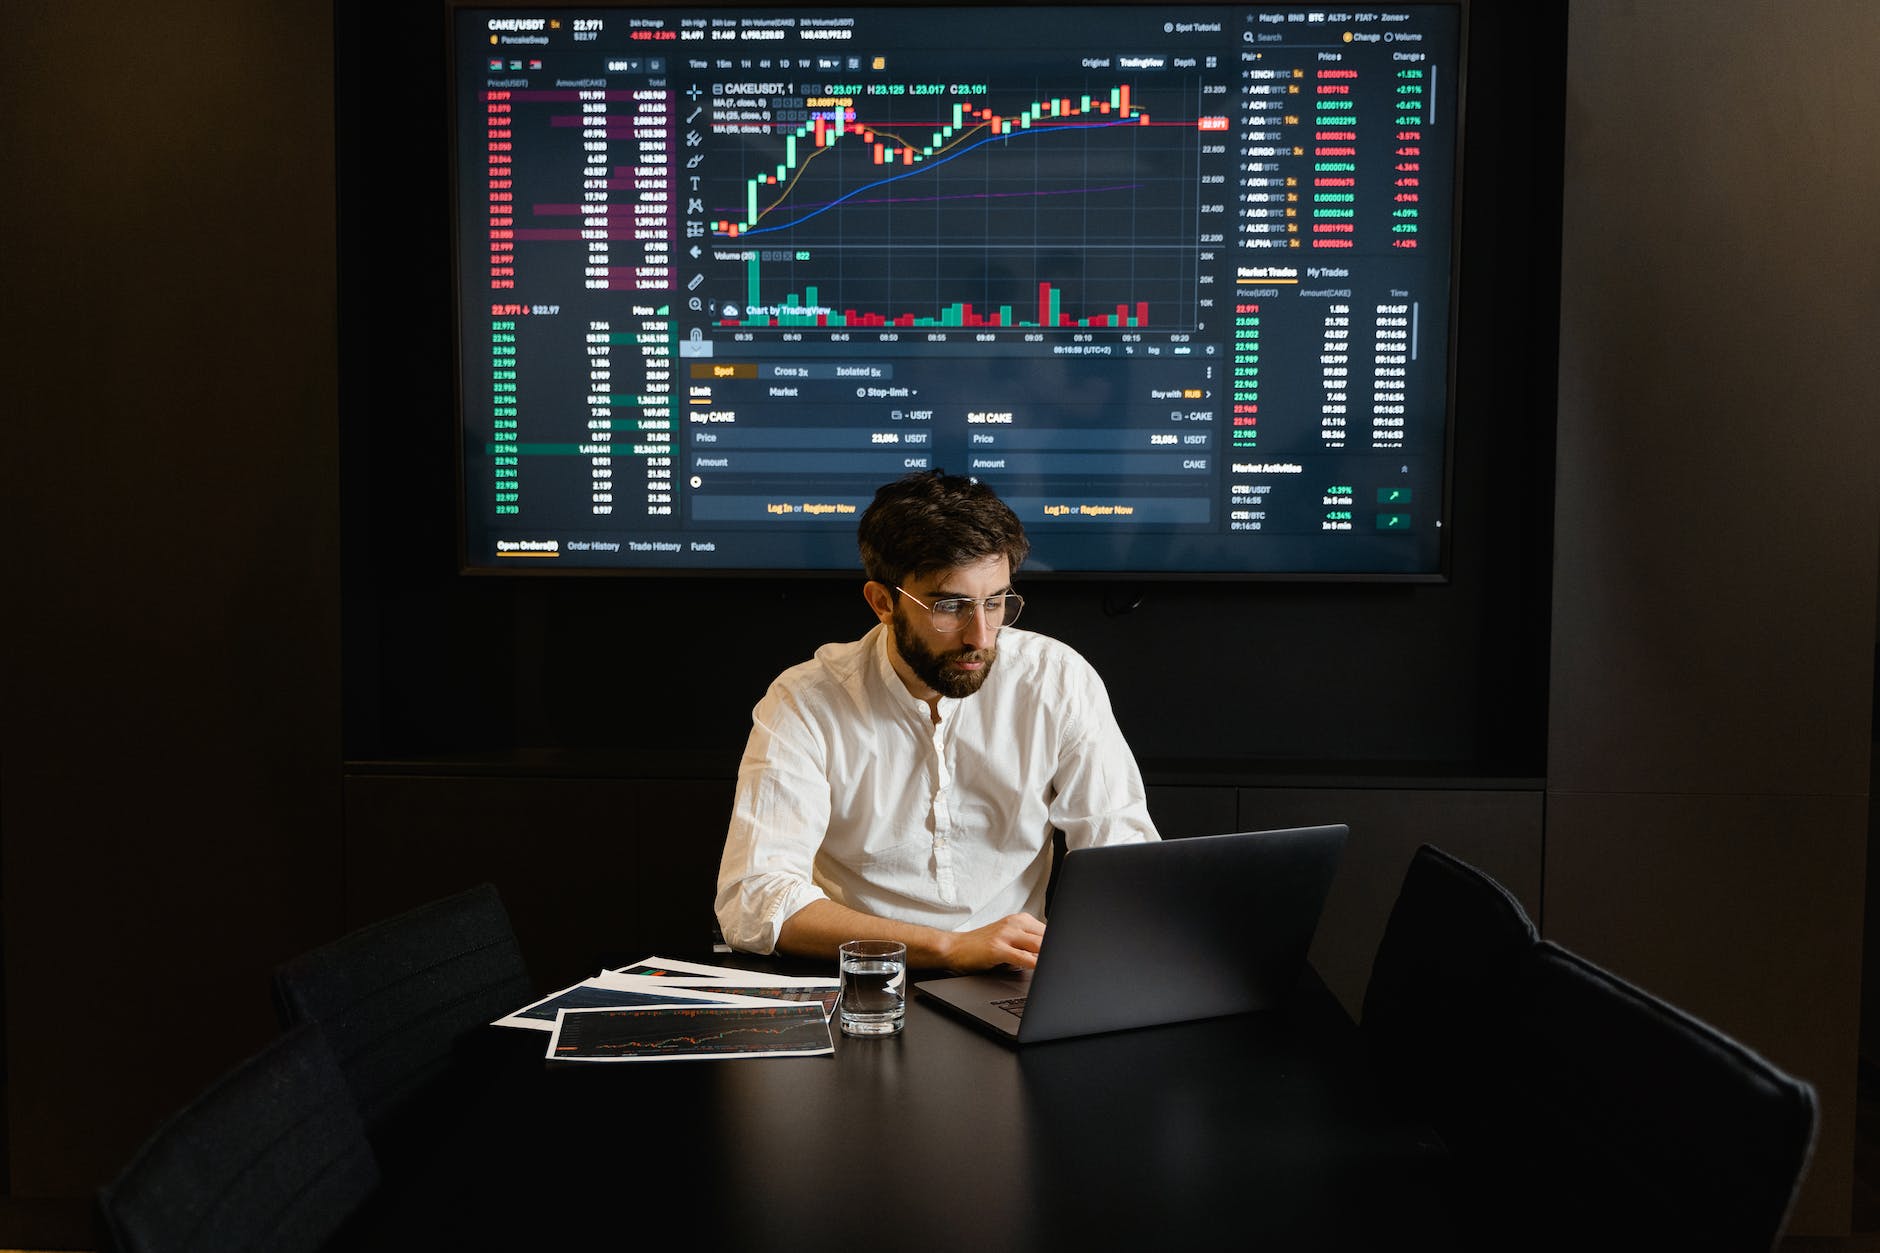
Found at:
(1099, 796)
(778, 820)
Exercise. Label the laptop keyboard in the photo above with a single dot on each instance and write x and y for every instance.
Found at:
(1013, 1005)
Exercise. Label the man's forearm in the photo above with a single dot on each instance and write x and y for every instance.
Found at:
(820, 926)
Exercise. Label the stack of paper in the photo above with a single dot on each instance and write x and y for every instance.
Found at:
(658, 1010)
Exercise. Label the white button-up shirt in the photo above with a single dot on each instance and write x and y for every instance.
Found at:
(849, 790)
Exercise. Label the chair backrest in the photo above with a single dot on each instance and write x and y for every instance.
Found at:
(273, 1158)
(1435, 1008)
(397, 996)
(1580, 1112)
(1638, 1126)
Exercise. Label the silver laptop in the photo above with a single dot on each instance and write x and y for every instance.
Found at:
(1143, 934)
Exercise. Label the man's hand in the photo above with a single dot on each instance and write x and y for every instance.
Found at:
(1011, 941)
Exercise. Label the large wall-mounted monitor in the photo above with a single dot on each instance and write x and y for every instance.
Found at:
(1177, 280)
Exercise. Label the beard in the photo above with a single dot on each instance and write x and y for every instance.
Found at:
(936, 669)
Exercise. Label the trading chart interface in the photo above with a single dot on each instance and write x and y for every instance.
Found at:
(1175, 281)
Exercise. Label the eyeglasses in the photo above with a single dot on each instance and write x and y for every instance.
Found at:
(952, 613)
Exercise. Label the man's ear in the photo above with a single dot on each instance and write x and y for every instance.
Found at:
(880, 598)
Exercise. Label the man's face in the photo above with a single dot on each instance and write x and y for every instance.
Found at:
(956, 663)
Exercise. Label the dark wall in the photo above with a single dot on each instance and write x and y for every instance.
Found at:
(171, 803)
(1707, 768)
(1351, 678)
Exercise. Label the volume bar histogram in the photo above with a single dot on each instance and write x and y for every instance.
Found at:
(805, 309)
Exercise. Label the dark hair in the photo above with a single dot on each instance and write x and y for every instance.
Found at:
(932, 520)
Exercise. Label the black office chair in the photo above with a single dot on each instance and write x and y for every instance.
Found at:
(1579, 1112)
(273, 1158)
(1635, 1126)
(1435, 1012)
(398, 997)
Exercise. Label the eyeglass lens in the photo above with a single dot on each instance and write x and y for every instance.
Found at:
(953, 612)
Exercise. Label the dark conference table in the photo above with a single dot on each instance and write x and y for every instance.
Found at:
(1259, 1130)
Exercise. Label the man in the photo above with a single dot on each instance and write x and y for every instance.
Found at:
(905, 786)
